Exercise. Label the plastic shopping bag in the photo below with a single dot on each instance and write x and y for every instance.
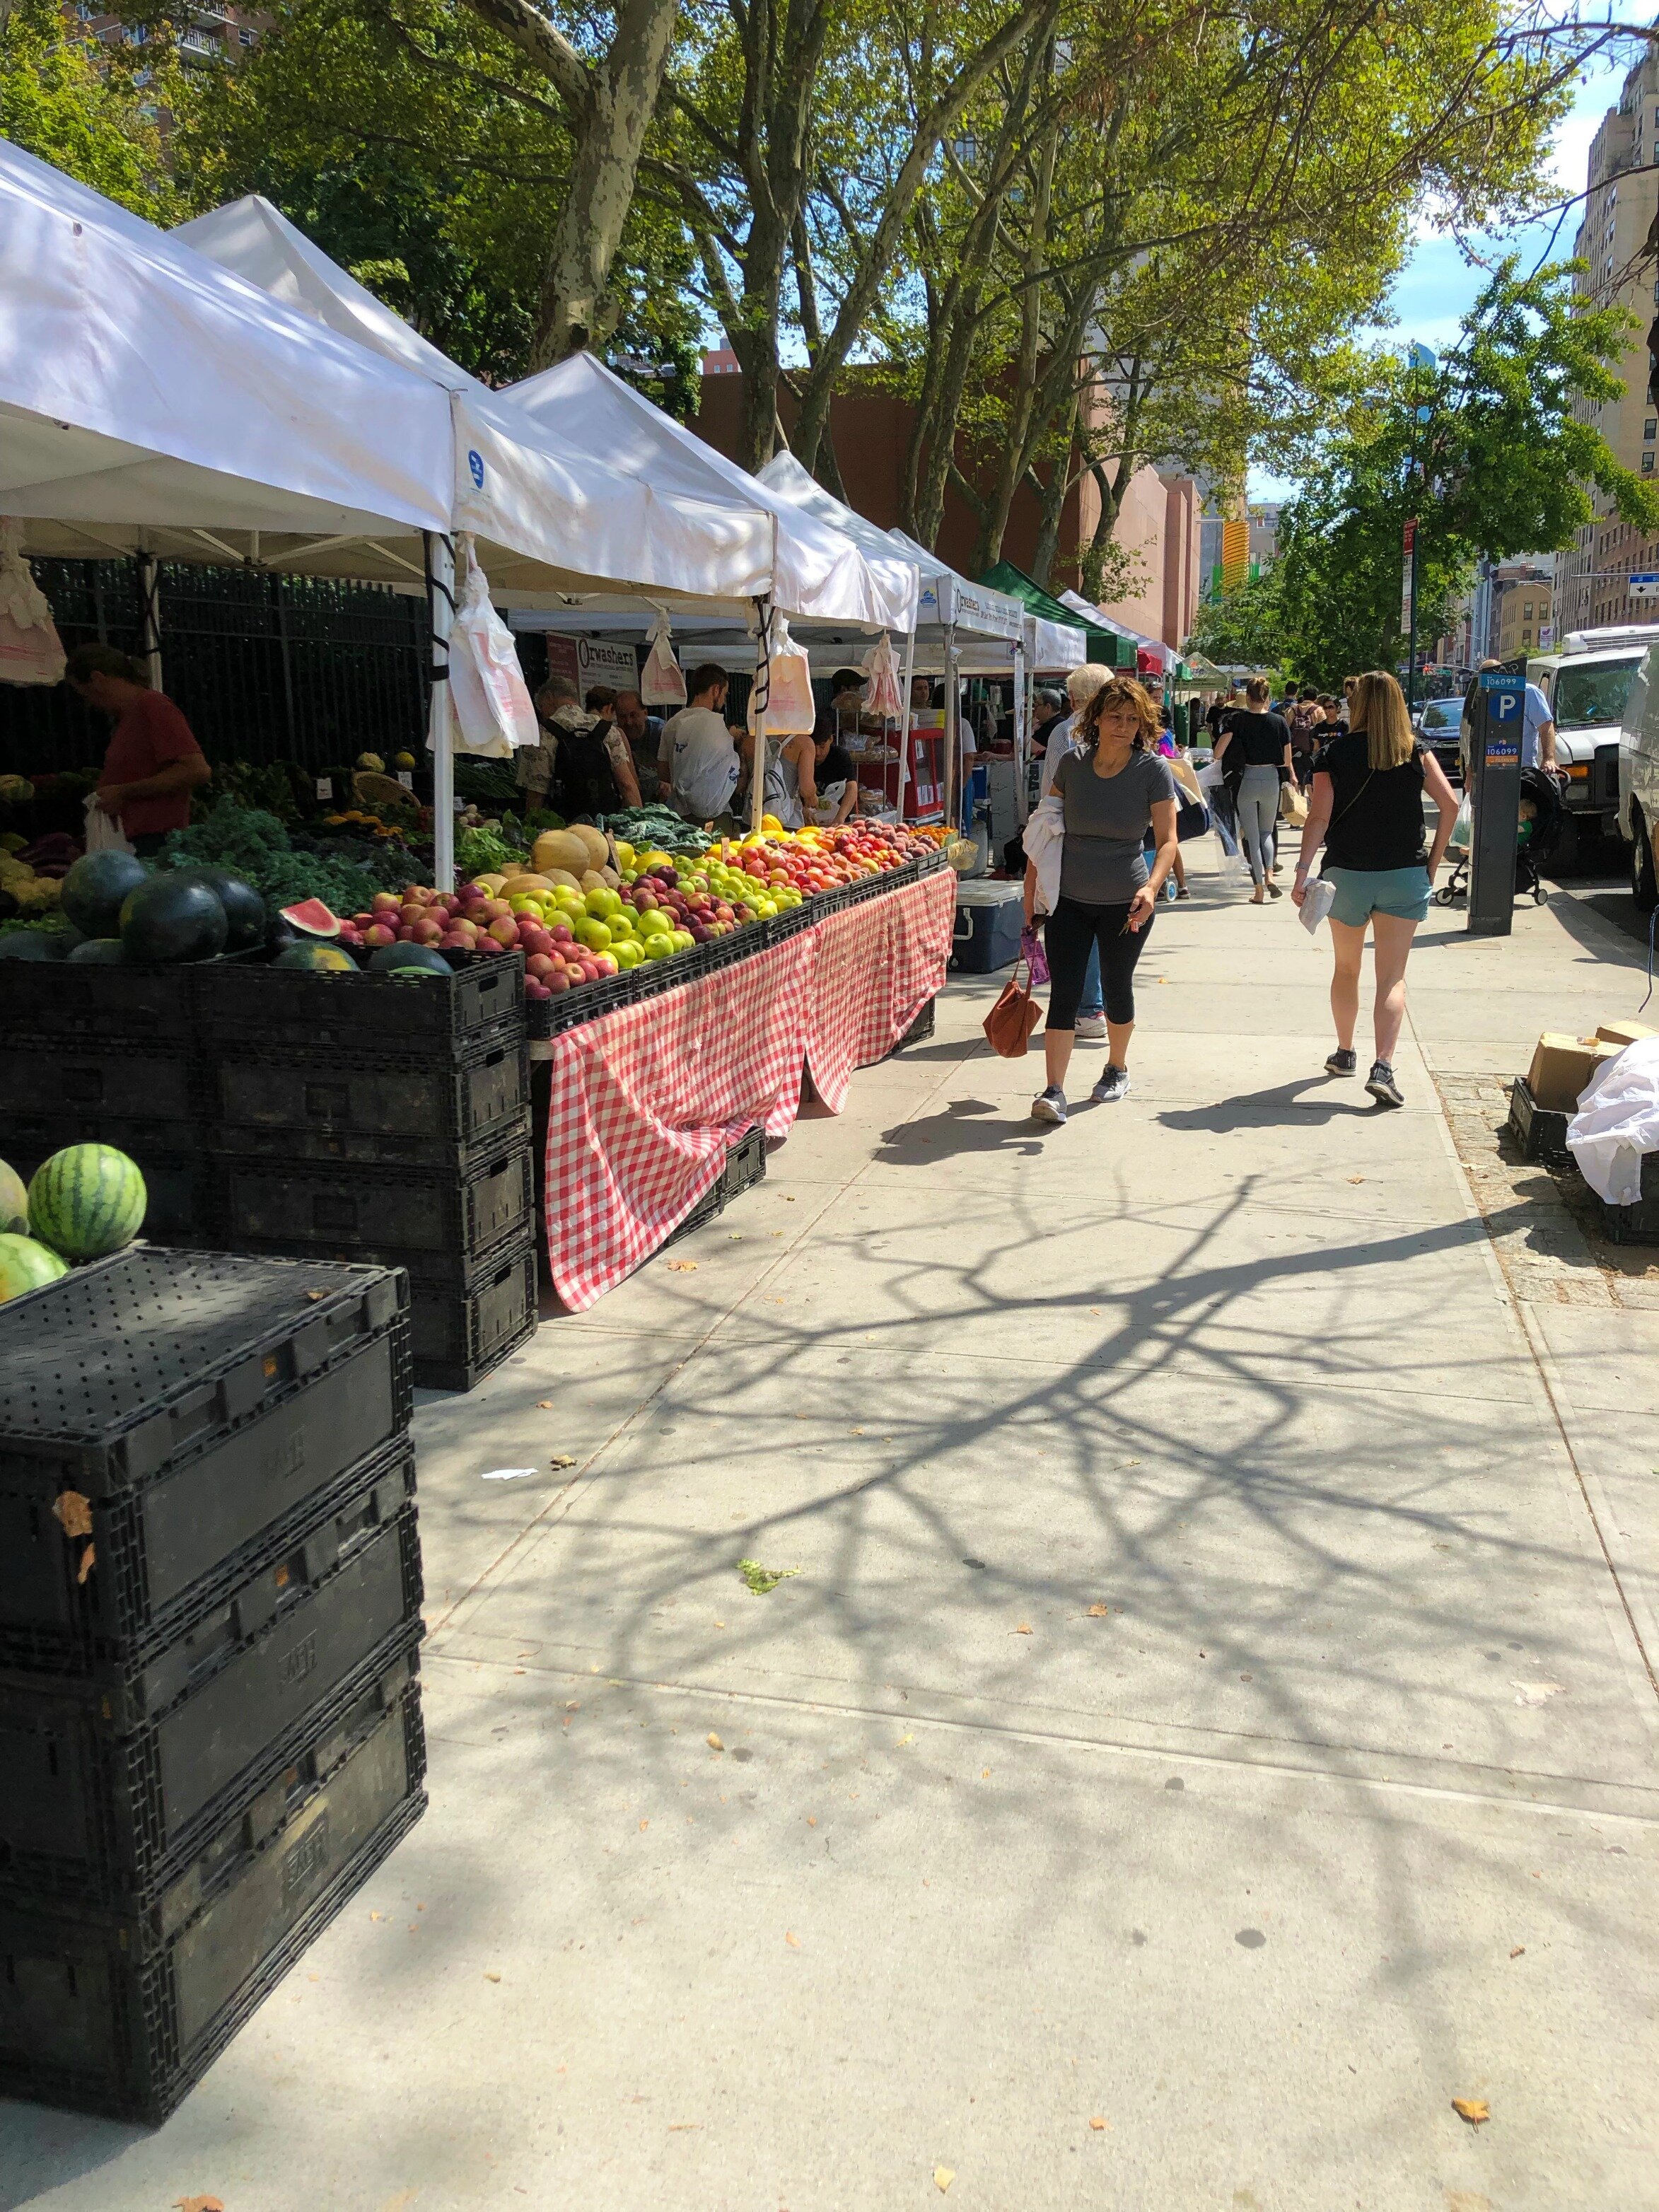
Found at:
(494, 715)
(1617, 1123)
(31, 651)
(781, 702)
(1463, 835)
(1031, 952)
(662, 680)
(103, 832)
(880, 671)
(1320, 899)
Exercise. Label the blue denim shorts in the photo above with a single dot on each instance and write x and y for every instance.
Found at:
(1362, 892)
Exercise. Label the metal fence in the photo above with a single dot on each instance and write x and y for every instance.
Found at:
(263, 667)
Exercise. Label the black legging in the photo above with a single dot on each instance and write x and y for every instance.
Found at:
(1068, 934)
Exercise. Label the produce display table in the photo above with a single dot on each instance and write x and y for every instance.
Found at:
(646, 1100)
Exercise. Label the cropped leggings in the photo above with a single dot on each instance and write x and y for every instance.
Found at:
(1071, 931)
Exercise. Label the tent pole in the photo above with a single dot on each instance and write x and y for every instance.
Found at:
(149, 617)
(1022, 730)
(904, 724)
(763, 686)
(951, 764)
(441, 735)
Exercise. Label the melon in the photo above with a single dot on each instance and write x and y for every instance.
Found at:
(406, 959)
(26, 1265)
(14, 1202)
(373, 762)
(563, 880)
(311, 918)
(560, 848)
(26, 945)
(524, 879)
(592, 880)
(319, 959)
(95, 888)
(85, 1200)
(490, 883)
(244, 910)
(170, 919)
(99, 952)
(597, 844)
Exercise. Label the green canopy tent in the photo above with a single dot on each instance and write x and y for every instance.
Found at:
(1107, 647)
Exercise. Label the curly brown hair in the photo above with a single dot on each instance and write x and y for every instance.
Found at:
(1122, 691)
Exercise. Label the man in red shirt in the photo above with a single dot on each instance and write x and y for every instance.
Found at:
(154, 763)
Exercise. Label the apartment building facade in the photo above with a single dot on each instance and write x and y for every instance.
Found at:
(1590, 581)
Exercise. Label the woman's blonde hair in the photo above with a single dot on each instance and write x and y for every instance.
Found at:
(1258, 690)
(1119, 691)
(1378, 708)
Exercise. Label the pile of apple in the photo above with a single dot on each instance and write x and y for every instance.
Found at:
(477, 920)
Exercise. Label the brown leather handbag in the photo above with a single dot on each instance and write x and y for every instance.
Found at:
(1009, 1024)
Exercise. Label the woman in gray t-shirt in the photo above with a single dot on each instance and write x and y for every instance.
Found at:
(1113, 791)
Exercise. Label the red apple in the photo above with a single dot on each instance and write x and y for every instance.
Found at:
(505, 931)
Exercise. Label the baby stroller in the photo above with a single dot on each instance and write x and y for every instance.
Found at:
(1537, 836)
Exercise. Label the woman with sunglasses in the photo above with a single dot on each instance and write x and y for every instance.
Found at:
(1111, 790)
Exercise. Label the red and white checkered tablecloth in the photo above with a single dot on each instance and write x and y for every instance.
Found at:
(645, 1102)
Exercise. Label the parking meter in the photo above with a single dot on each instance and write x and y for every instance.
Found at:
(1495, 783)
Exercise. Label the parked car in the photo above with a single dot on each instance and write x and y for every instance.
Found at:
(1588, 684)
(1439, 728)
(1638, 775)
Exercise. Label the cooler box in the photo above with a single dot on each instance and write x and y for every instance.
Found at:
(989, 918)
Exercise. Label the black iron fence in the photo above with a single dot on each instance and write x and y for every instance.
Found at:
(263, 667)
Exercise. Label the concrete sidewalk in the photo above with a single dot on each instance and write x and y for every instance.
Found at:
(1210, 1729)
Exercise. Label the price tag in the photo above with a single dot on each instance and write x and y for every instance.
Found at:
(324, 786)
(406, 777)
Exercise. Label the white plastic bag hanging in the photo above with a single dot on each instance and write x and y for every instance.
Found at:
(494, 715)
(781, 701)
(103, 832)
(1617, 1123)
(881, 673)
(31, 651)
(662, 680)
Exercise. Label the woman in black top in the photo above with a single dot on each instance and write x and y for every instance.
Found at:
(1253, 753)
(1367, 810)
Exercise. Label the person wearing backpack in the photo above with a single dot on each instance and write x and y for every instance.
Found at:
(582, 766)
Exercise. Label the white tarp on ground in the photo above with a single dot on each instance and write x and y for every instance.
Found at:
(553, 515)
(148, 397)
(820, 573)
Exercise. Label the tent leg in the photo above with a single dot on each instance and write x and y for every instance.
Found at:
(952, 762)
(758, 716)
(904, 725)
(149, 618)
(1022, 731)
(441, 735)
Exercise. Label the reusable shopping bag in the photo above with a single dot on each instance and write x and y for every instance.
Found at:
(31, 651)
(781, 702)
(662, 680)
(494, 715)
(880, 670)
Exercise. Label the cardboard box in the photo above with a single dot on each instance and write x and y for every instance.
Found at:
(1623, 1033)
(1562, 1066)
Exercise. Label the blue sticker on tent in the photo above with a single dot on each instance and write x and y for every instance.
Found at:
(474, 466)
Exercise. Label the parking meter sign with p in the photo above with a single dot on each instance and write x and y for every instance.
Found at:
(1496, 775)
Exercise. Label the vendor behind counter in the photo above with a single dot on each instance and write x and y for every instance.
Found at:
(153, 761)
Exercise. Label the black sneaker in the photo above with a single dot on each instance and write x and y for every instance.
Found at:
(1049, 1105)
(1342, 1063)
(1112, 1086)
(1381, 1085)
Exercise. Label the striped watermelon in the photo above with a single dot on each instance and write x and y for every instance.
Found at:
(25, 1264)
(85, 1200)
(14, 1202)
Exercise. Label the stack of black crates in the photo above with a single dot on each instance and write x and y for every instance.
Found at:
(210, 1622)
(361, 1118)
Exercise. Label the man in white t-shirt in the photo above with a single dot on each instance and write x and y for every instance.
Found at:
(698, 763)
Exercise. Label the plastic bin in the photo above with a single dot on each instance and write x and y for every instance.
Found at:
(467, 1316)
(990, 916)
(349, 1014)
(1541, 1133)
(920, 1029)
(113, 1780)
(69, 999)
(161, 1414)
(377, 1213)
(1637, 1224)
(380, 1109)
(52, 1082)
(121, 2013)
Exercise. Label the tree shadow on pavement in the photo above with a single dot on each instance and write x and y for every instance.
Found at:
(1287, 1104)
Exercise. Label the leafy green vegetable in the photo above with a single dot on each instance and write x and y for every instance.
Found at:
(483, 852)
(256, 845)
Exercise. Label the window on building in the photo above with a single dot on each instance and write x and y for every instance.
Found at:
(1651, 429)
(246, 36)
(1525, 611)
(1526, 637)
(1647, 464)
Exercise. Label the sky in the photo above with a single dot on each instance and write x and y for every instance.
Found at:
(1437, 286)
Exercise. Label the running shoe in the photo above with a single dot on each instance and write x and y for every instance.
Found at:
(1090, 1029)
(1381, 1085)
(1343, 1063)
(1049, 1105)
(1112, 1086)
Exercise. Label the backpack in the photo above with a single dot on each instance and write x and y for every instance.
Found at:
(584, 781)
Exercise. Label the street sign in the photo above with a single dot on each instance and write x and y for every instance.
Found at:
(1644, 585)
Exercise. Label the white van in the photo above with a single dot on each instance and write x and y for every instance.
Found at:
(1587, 682)
(1638, 777)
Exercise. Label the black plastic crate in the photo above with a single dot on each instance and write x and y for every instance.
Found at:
(122, 2013)
(52, 1082)
(745, 1165)
(162, 1412)
(71, 999)
(377, 1214)
(1541, 1133)
(1637, 1224)
(381, 1110)
(920, 1029)
(466, 1318)
(113, 1781)
(178, 1177)
(354, 1012)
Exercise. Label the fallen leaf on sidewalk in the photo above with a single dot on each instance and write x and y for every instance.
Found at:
(902, 1740)
(72, 1513)
(1097, 2125)
(682, 1267)
(543, 1405)
(684, 2127)
(1472, 2108)
(562, 1459)
(714, 1741)
(1519, 1951)
(943, 2177)
(208, 2203)
(1098, 1611)
(1024, 1629)
(1128, 1463)
(377, 1915)
(644, 1825)
(793, 1940)
(760, 1581)
(492, 1978)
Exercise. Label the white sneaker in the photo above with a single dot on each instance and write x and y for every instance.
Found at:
(1090, 1029)
(1112, 1086)
(1049, 1105)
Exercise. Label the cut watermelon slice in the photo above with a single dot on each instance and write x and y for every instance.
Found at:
(312, 918)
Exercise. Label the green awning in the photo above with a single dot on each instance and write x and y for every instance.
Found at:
(1104, 646)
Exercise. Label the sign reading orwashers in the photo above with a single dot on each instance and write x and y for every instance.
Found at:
(1506, 703)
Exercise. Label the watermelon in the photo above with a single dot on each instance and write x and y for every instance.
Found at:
(85, 1200)
(26, 945)
(244, 910)
(95, 888)
(169, 918)
(100, 949)
(405, 959)
(25, 1266)
(320, 959)
(311, 918)
(14, 1202)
